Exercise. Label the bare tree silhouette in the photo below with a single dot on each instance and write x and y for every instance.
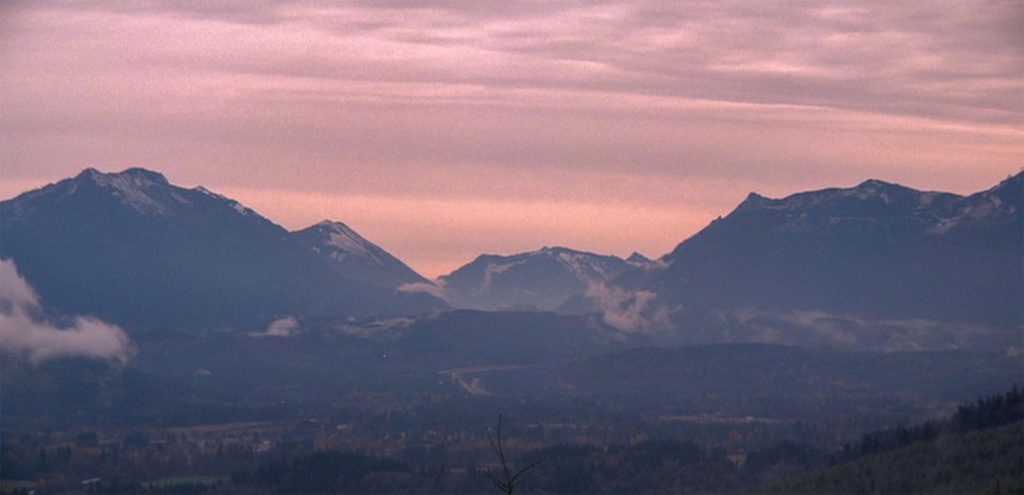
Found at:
(508, 483)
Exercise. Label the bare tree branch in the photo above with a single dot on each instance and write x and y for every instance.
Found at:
(511, 481)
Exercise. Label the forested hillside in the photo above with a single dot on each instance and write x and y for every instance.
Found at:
(979, 450)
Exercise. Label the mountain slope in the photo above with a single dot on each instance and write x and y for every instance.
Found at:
(134, 249)
(542, 279)
(979, 449)
(876, 250)
(355, 257)
(987, 461)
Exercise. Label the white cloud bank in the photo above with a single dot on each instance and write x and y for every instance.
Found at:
(21, 332)
(284, 327)
(426, 288)
(629, 311)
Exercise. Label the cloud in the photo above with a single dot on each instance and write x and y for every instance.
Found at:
(23, 331)
(283, 327)
(824, 328)
(629, 311)
(653, 111)
(424, 287)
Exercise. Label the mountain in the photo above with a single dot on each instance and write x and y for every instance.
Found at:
(355, 257)
(877, 252)
(134, 249)
(540, 280)
(638, 260)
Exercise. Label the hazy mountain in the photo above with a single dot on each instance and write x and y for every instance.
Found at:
(136, 250)
(869, 263)
(355, 257)
(542, 279)
(638, 260)
(877, 250)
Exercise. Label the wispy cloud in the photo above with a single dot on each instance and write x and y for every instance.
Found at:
(817, 327)
(677, 107)
(434, 290)
(629, 311)
(23, 331)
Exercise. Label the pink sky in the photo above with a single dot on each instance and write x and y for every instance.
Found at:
(445, 130)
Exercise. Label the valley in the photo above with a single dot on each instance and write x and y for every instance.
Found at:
(347, 357)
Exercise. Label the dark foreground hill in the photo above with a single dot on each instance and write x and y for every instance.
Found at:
(980, 449)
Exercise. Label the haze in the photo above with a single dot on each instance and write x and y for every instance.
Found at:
(448, 130)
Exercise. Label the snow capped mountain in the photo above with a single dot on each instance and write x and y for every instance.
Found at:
(344, 242)
(541, 279)
(878, 250)
(888, 205)
(133, 188)
(645, 264)
(637, 258)
(999, 205)
(235, 205)
(135, 250)
(885, 208)
(355, 257)
(135, 191)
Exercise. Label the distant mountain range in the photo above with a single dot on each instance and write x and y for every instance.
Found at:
(876, 265)
(877, 250)
(233, 318)
(537, 280)
(134, 249)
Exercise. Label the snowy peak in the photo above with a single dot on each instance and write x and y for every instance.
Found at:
(142, 191)
(151, 255)
(999, 205)
(356, 257)
(873, 206)
(135, 177)
(1010, 191)
(136, 188)
(885, 192)
(541, 279)
(137, 193)
(637, 258)
(870, 192)
(339, 241)
(876, 248)
(342, 237)
(875, 186)
(234, 205)
(588, 267)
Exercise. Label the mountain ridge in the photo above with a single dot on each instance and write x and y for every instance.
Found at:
(876, 249)
(132, 248)
(541, 279)
(356, 257)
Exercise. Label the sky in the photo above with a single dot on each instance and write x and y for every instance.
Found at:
(442, 130)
